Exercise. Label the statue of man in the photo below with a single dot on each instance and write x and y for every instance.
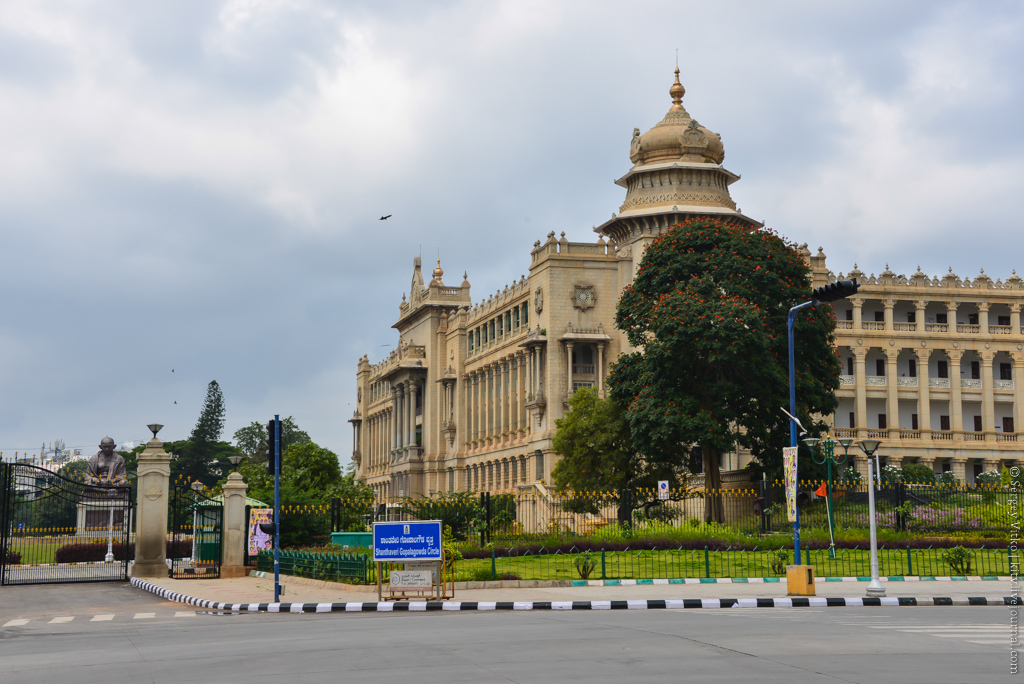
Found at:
(106, 466)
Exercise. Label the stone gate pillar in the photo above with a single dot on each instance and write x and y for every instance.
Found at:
(233, 528)
(151, 516)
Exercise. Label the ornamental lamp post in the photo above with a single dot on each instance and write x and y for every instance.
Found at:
(875, 588)
(825, 449)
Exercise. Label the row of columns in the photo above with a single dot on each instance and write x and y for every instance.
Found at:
(924, 394)
(920, 306)
(403, 428)
(496, 396)
(498, 474)
(376, 435)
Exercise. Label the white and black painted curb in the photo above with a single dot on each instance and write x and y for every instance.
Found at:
(642, 604)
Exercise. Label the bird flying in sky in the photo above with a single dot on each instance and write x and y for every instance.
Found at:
(385, 218)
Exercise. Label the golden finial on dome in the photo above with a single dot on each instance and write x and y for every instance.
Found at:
(677, 91)
(437, 271)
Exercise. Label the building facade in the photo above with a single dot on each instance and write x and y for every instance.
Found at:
(930, 366)
(469, 398)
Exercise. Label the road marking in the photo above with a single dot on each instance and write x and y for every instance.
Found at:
(15, 623)
(983, 635)
(59, 620)
(939, 628)
(143, 616)
(101, 618)
(185, 613)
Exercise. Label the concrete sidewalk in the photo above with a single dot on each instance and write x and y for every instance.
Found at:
(260, 590)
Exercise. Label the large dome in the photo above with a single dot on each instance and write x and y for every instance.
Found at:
(678, 137)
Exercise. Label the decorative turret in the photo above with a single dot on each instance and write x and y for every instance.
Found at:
(677, 174)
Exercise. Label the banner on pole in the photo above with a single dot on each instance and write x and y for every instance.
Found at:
(789, 468)
(258, 539)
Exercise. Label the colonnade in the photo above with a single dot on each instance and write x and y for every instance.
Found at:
(495, 396)
(497, 474)
(376, 441)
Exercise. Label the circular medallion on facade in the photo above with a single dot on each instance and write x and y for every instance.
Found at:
(860, 342)
(956, 345)
(923, 343)
(987, 345)
(892, 343)
(1020, 346)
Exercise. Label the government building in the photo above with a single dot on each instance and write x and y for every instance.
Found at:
(469, 398)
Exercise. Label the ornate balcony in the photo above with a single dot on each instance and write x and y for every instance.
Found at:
(939, 383)
(1003, 384)
(872, 325)
(875, 381)
(936, 327)
(961, 328)
(847, 380)
(906, 382)
(1000, 329)
(904, 327)
(970, 384)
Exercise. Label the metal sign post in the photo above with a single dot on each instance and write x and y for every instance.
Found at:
(417, 546)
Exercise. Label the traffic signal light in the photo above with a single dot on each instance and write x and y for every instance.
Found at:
(841, 289)
(270, 461)
(269, 528)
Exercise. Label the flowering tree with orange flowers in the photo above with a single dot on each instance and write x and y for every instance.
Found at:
(707, 314)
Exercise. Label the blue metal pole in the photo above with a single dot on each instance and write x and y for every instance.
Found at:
(792, 425)
(276, 455)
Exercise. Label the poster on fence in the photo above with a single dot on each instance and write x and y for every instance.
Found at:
(258, 539)
(789, 468)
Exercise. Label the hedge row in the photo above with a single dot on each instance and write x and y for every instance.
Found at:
(97, 551)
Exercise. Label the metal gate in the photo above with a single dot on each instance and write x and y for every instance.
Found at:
(54, 529)
(196, 520)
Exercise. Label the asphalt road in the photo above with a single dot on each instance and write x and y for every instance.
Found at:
(114, 633)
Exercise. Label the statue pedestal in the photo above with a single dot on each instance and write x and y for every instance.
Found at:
(151, 516)
(94, 519)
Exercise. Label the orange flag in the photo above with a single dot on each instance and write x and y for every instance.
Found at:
(822, 490)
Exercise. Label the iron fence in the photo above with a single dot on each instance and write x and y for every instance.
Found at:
(508, 517)
(353, 568)
(705, 563)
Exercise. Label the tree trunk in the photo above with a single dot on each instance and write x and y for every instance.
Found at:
(713, 509)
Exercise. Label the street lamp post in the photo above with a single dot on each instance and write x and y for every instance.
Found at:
(875, 588)
(827, 293)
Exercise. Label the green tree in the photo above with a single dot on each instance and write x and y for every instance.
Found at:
(211, 419)
(252, 439)
(203, 456)
(707, 312)
(598, 454)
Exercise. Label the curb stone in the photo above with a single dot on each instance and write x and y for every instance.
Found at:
(643, 604)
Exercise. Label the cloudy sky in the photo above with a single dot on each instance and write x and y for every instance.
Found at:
(196, 185)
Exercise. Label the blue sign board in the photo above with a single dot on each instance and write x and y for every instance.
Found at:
(418, 540)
